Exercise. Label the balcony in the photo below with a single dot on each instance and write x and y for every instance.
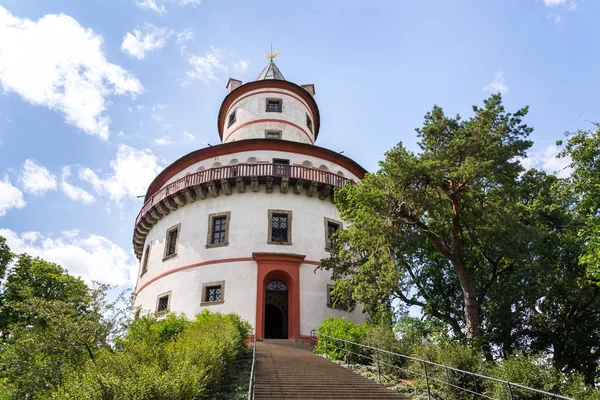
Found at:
(214, 181)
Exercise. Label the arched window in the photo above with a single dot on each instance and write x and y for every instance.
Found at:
(307, 164)
(277, 286)
(323, 168)
(252, 160)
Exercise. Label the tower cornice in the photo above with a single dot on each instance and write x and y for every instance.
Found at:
(251, 145)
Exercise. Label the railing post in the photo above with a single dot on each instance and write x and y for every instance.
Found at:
(326, 352)
(427, 381)
(510, 392)
(475, 382)
(378, 367)
(347, 357)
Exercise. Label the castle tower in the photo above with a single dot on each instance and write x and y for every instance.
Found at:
(241, 226)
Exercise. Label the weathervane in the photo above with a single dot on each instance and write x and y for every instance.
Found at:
(272, 55)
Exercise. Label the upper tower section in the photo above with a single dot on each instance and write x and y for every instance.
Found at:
(269, 107)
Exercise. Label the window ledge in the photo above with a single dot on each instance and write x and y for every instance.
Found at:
(211, 245)
(211, 303)
(337, 308)
(273, 111)
(170, 257)
(280, 243)
(329, 249)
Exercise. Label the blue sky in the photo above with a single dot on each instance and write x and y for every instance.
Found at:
(99, 95)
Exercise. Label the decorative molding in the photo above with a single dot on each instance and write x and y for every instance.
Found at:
(260, 121)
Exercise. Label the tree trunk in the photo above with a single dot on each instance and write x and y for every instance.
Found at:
(470, 298)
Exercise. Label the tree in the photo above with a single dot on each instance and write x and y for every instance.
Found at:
(443, 222)
(583, 147)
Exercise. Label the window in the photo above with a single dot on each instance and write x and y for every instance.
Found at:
(138, 313)
(171, 242)
(145, 260)
(280, 227)
(331, 227)
(309, 123)
(273, 105)
(332, 301)
(213, 293)
(273, 134)
(218, 229)
(231, 118)
(163, 302)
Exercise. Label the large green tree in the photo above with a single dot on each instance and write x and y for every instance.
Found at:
(583, 147)
(443, 222)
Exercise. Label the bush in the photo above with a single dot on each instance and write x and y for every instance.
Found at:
(167, 359)
(340, 328)
(535, 372)
(382, 337)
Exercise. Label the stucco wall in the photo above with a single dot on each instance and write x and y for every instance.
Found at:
(248, 231)
(251, 114)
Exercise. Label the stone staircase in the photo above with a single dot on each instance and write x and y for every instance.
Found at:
(288, 370)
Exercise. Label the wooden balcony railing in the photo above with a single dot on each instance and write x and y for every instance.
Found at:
(277, 171)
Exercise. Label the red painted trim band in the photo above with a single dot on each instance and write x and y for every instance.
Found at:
(257, 121)
(203, 263)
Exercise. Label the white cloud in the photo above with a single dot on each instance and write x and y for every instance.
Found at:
(204, 67)
(242, 65)
(188, 135)
(74, 192)
(158, 5)
(552, 3)
(497, 85)
(57, 63)
(93, 258)
(36, 179)
(132, 172)
(10, 196)
(145, 39)
(163, 141)
(185, 35)
(546, 159)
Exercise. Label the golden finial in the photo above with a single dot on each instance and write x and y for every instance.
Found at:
(272, 55)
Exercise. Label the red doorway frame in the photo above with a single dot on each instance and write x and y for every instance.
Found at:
(285, 267)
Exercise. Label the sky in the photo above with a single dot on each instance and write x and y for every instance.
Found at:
(98, 96)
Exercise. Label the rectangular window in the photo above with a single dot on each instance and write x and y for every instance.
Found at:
(273, 134)
(231, 118)
(171, 242)
(213, 293)
(273, 105)
(145, 260)
(218, 229)
(280, 227)
(331, 227)
(163, 302)
(309, 123)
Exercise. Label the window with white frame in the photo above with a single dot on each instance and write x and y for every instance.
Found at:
(273, 134)
(331, 227)
(146, 255)
(274, 105)
(231, 118)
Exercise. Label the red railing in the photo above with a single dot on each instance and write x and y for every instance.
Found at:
(244, 170)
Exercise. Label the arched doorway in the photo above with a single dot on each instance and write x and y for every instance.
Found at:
(276, 310)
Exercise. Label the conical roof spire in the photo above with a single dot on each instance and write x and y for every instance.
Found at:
(270, 72)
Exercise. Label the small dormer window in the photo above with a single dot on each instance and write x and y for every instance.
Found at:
(273, 134)
(273, 105)
(309, 123)
(231, 119)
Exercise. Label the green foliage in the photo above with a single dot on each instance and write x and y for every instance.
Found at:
(537, 373)
(583, 147)
(167, 358)
(340, 328)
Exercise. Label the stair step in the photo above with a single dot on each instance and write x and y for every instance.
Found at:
(288, 370)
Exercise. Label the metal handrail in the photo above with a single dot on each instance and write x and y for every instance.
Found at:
(251, 386)
(315, 337)
(243, 170)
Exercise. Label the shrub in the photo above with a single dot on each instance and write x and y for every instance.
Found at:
(454, 355)
(342, 329)
(535, 372)
(167, 359)
(383, 337)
